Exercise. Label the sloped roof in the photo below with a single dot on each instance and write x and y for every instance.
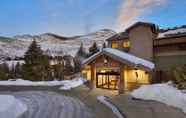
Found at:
(121, 56)
(119, 36)
(141, 23)
(172, 33)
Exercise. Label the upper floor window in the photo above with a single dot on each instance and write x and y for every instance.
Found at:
(126, 43)
(114, 44)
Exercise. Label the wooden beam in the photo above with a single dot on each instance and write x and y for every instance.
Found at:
(92, 76)
(121, 85)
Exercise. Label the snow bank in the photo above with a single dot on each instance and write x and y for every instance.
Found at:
(103, 100)
(21, 82)
(11, 107)
(164, 93)
(68, 84)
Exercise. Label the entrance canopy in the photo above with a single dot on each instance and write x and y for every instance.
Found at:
(122, 57)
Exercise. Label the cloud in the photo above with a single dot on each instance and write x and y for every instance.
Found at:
(130, 10)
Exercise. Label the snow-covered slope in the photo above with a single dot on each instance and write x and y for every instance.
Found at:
(51, 44)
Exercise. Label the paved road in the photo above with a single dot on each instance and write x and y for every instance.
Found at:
(51, 105)
(145, 109)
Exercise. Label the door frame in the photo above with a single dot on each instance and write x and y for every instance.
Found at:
(107, 74)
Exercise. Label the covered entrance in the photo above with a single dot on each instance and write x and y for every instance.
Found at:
(113, 69)
(107, 79)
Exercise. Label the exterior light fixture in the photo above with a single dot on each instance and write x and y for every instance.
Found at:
(105, 61)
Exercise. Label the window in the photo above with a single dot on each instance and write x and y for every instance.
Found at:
(114, 44)
(126, 43)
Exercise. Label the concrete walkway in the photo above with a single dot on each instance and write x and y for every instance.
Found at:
(145, 109)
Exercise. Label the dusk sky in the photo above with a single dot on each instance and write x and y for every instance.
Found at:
(75, 17)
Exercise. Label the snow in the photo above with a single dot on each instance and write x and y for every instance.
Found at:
(123, 55)
(175, 31)
(21, 82)
(65, 84)
(164, 93)
(129, 57)
(52, 45)
(11, 107)
(69, 84)
(103, 100)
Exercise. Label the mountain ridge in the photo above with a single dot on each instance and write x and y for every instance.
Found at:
(52, 44)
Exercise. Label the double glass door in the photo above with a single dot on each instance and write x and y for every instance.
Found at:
(107, 80)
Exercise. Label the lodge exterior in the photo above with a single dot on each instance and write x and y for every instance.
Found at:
(141, 55)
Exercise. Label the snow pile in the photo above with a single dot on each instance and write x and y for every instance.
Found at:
(164, 93)
(21, 82)
(68, 84)
(11, 107)
(103, 100)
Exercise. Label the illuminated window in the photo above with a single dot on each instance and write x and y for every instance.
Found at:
(114, 44)
(126, 43)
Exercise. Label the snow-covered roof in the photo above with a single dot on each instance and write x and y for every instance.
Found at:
(122, 56)
(172, 32)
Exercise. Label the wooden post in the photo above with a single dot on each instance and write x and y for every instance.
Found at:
(92, 76)
(121, 81)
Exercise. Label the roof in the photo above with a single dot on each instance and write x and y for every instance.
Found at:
(141, 23)
(172, 33)
(119, 36)
(121, 56)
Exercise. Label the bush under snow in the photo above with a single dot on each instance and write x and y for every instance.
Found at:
(68, 84)
(10, 107)
(164, 93)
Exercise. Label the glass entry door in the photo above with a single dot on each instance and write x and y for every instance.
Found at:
(107, 80)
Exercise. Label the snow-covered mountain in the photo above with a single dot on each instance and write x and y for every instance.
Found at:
(52, 44)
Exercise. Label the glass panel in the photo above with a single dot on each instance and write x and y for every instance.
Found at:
(126, 44)
(114, 44)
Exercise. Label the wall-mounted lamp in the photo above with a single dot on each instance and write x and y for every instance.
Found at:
(105, 61)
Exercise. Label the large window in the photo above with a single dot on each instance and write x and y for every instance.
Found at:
(126, 43)
(114, 44)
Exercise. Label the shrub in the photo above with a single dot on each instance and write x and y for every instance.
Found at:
(180, 76)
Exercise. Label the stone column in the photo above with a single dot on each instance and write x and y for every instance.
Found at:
(121, 85)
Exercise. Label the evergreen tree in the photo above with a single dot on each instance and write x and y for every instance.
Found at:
(4, 71)
(104, 45)
(77, 65)
(68, 66)
(18, 70)
(81, 52)
(36, 65)
(12, 72)
(93, 49)
(59, 69)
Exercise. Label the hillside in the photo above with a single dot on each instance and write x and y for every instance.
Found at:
(52, 44)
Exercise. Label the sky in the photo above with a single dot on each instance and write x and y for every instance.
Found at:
(77, 17)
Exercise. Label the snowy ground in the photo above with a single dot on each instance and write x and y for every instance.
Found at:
(11, 107)
(164, 93)
(104, 100)
(49, 105)
(65, 84)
